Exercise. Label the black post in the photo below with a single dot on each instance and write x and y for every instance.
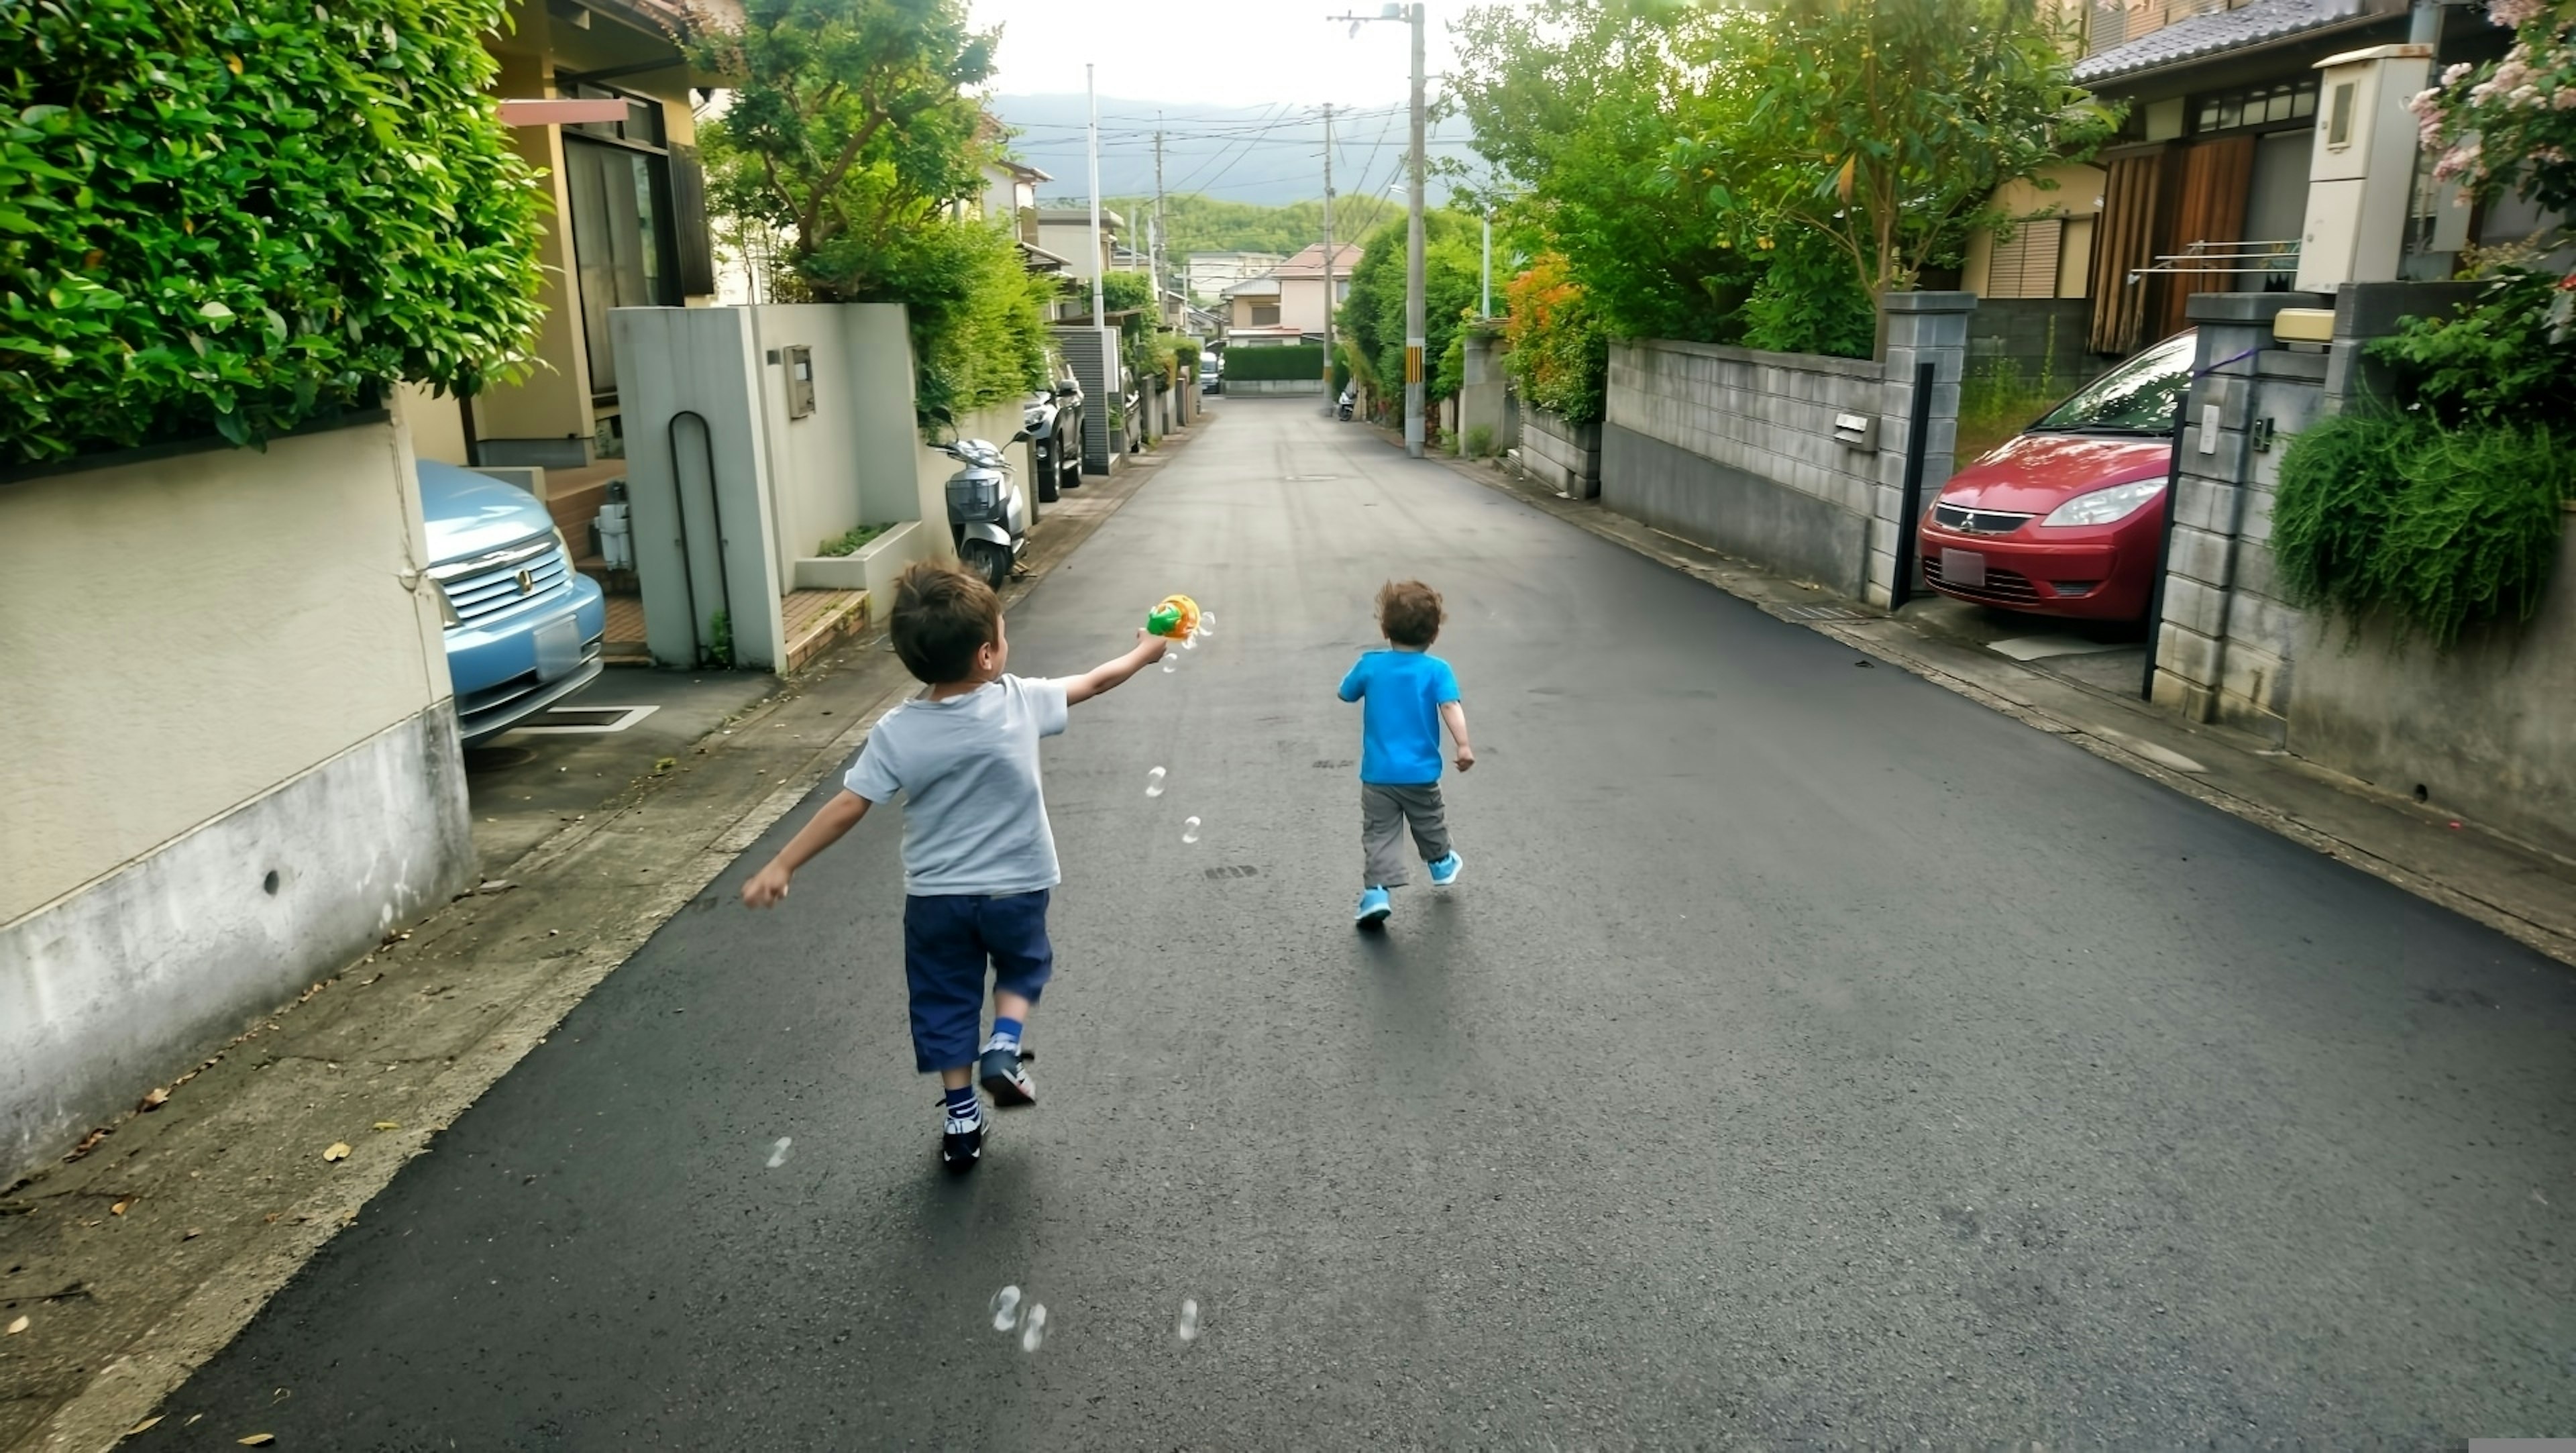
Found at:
(2164, 551)
(1918, 424)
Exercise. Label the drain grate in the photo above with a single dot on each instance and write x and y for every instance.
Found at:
(1821, 613)
(585, 720)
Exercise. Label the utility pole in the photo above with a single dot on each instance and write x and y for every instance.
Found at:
(1158, 217)
(1328, 256)
(1485, 288)
(1416, 327)
(1099, 254)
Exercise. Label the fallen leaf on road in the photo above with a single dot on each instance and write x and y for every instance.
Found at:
(17, 1326)
(495, 885)
(121, 1207)
(88, 1143)
(387, 1125)
(257, 1440)
(155, 1100)
(339, 1151)
(141, 1428)
(192, 1233)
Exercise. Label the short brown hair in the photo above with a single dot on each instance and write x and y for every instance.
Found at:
(943, 614)
(1408, 611)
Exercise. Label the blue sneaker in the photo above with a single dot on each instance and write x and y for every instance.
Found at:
(1445, 871)
(1374, 907)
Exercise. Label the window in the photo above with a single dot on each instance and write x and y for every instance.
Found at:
(2274, 105)
(2339, 130)
(1265, 315)
(2025, 265)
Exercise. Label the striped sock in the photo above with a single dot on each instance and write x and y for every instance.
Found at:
(961, 1104)
(1006, 1035)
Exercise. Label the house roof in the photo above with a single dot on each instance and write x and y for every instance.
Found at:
(1264, 286)
(1077, 217)
(2218, 31)
(1308, 261)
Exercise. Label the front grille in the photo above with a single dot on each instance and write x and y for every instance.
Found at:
(499, 579)
(2005, 586)
(1978, 522)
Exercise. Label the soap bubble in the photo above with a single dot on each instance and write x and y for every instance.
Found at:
(1190, 831)
(778, 1152)
(1189, 1325)
(1006, 1309)
(1035, 1332)
(1154, 783)
(1171, 664)
(1190, 642)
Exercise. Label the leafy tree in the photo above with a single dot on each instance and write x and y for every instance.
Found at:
(1809, 302)
(1558, 351)
(1372, 317)
(1196, 223)
(1883, 126)
(852, 130)
(230, 219)
(1575, 105)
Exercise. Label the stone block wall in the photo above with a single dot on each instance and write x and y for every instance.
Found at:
(1564, 457)
(1737, 448)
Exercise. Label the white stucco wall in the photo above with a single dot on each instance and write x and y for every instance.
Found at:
(217, 671)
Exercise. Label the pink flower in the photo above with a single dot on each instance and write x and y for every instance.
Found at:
(2455, 73)
(2565, 100)
(2515, 14)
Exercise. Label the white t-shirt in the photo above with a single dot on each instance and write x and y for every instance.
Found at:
(974, 813)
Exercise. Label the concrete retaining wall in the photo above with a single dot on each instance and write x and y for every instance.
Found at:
(1564, 457)
(1258, 386)
(235, 756)
(1737, 449)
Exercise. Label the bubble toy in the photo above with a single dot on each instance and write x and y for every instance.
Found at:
(1174, 619)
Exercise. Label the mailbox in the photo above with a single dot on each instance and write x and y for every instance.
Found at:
(798, 360)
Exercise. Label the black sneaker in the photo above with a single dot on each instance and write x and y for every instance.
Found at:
(1005, 1074)
(961, 1144)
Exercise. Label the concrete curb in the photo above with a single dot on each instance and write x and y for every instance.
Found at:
(133, 1379)
(1891, 640)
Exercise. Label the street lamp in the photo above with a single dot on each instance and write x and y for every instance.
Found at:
(1416, 326)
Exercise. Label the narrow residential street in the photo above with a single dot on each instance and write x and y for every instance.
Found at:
(1808, 1055)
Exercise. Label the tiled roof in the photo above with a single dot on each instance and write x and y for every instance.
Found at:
(2218, 30)
(1309, 260)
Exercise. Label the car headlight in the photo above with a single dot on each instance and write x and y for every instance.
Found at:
(2105, 506)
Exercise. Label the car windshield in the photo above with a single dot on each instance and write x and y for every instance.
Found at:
(2141, 396)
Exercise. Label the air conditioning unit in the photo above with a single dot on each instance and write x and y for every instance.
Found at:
(2361, 174)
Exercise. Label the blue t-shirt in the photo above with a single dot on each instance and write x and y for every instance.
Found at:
(1401, 693)
(974, 815)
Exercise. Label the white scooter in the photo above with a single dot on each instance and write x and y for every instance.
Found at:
(988, 517)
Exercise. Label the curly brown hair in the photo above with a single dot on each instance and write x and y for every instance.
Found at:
(943, 614)
(1409, 613)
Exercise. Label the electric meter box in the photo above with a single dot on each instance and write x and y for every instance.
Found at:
(2361, 173)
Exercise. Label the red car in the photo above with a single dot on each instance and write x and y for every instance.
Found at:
(2065, 518)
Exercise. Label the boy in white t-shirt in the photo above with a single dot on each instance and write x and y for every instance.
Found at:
(978, 857)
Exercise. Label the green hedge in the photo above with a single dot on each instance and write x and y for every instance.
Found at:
(229, 219)
(1260, 363)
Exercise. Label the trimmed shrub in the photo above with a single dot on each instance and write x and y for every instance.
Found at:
(231, 219)
(1263, 363)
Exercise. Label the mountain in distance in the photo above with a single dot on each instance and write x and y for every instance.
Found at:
(1271, 155)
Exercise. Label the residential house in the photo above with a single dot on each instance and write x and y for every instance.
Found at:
(1064, 230)
(627, 228)
(1286, 304)
(2206, 188)
(1209, 274)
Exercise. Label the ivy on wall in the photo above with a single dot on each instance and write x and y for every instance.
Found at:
(231, 219)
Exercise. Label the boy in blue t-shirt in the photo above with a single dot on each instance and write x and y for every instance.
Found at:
(1407, 694)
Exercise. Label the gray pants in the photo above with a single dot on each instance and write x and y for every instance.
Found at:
(1384, 814)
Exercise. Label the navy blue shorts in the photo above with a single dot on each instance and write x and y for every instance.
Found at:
(947, 939)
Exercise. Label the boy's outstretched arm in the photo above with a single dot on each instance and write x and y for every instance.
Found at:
(825, 828)
(1108, 674)
(1453, 715)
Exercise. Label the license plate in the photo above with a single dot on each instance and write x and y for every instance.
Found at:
(558, 647)
(1965, 569)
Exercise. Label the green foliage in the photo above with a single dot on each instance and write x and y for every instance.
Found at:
(1373, 315)
(2510, 356)
(1183, 351)
(1127, 291)
(1268, 362)
(2438, 527)
(1998, 401)
(849, 541)
(1480, 441)
(1555, 345)
(1196, 223)
(232, 219)
(979, 327)
(1575, 104)
(1883, 126)
(720, 637)
(1809, 301)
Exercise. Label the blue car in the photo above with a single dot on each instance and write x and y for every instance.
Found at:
(524, 628)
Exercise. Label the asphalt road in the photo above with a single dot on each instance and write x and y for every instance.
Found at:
(1808, 1057)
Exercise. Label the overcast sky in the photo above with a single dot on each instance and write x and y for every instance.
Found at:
(1228, 52)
